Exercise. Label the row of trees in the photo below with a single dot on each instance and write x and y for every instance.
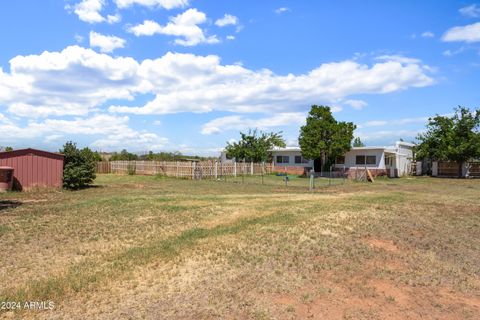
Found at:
(455, 138)
(124, 155)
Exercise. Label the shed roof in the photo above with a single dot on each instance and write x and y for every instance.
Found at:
(21, 152)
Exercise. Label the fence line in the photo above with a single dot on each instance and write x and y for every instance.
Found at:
(185, 169)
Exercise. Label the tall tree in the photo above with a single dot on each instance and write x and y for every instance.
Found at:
(324, 137)
(254, 146)
(358, 143)
(455, 138)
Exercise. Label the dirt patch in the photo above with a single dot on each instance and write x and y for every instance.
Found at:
(386, 245)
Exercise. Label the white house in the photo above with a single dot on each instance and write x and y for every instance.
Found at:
(394, 161)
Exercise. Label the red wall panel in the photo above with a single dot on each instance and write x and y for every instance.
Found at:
(34, 168)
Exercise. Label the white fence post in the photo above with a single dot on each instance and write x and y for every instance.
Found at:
(251, 168)
(434, 168)
(418, 168)
(193, 169)
(216, 170)
(234, 168)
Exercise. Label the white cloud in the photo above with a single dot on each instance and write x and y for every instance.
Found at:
(388, 134)
(157, 122)
(189, 83)
(183, 25)
(78, 38)
(227, 20)
(71, 82)
(469, 33)
(53, 138)
(115, 132)
(471, 11)
(238, 122)
(356, 104)
(106, 43)
(450, 53)
(428, 34)
(230, 37)
(114, 18)
(398, 58)
(392, 122)
(166, 4)
(282, 10)
(88, 10)
(77, 81)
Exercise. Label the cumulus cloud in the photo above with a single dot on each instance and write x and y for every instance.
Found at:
(73, 81)
(392, 122)
(184, 25)
(88, 10)
(469, 33)
(356, 104)
(190, 83)
(114, 131)
(105, 43)
(77, 81)
(166, 4)
(471, 11)
(237, 122)
(227, 20)
(114, 18)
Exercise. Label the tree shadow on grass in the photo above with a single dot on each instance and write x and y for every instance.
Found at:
(7, 204)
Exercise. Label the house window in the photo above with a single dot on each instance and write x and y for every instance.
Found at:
(365, 160)
(340, 160)
(371, 159)
(300, 159)
(360, 160)
(283, 159)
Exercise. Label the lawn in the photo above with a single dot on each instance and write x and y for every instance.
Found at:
(138, 247)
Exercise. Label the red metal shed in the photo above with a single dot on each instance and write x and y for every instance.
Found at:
(34, 168)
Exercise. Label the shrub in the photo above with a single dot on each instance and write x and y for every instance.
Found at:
(79, 166)
(131, 169)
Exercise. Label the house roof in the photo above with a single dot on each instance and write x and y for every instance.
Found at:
(388, 149)
(21, 152)
(295, 149)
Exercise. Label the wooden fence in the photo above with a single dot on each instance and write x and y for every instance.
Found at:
(449, 169)
(185, 169)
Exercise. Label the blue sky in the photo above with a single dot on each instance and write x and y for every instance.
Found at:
(187, 75)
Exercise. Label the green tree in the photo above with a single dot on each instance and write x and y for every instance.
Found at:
(8, 149)
(79, 166)
(358, 143)
(124, 155)
(455, 138)
(254, 146)
(324, 137)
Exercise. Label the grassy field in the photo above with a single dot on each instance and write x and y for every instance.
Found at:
(137, 247)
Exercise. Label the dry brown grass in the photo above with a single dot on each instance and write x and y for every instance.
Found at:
(148, 248)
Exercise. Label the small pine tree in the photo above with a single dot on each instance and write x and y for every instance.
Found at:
(358, 143)
(79, 166)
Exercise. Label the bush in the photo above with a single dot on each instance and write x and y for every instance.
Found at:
(79, 166)
(131, 169)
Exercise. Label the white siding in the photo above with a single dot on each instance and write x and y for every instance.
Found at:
(404, 158)
(351, 155)
(291, 159)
